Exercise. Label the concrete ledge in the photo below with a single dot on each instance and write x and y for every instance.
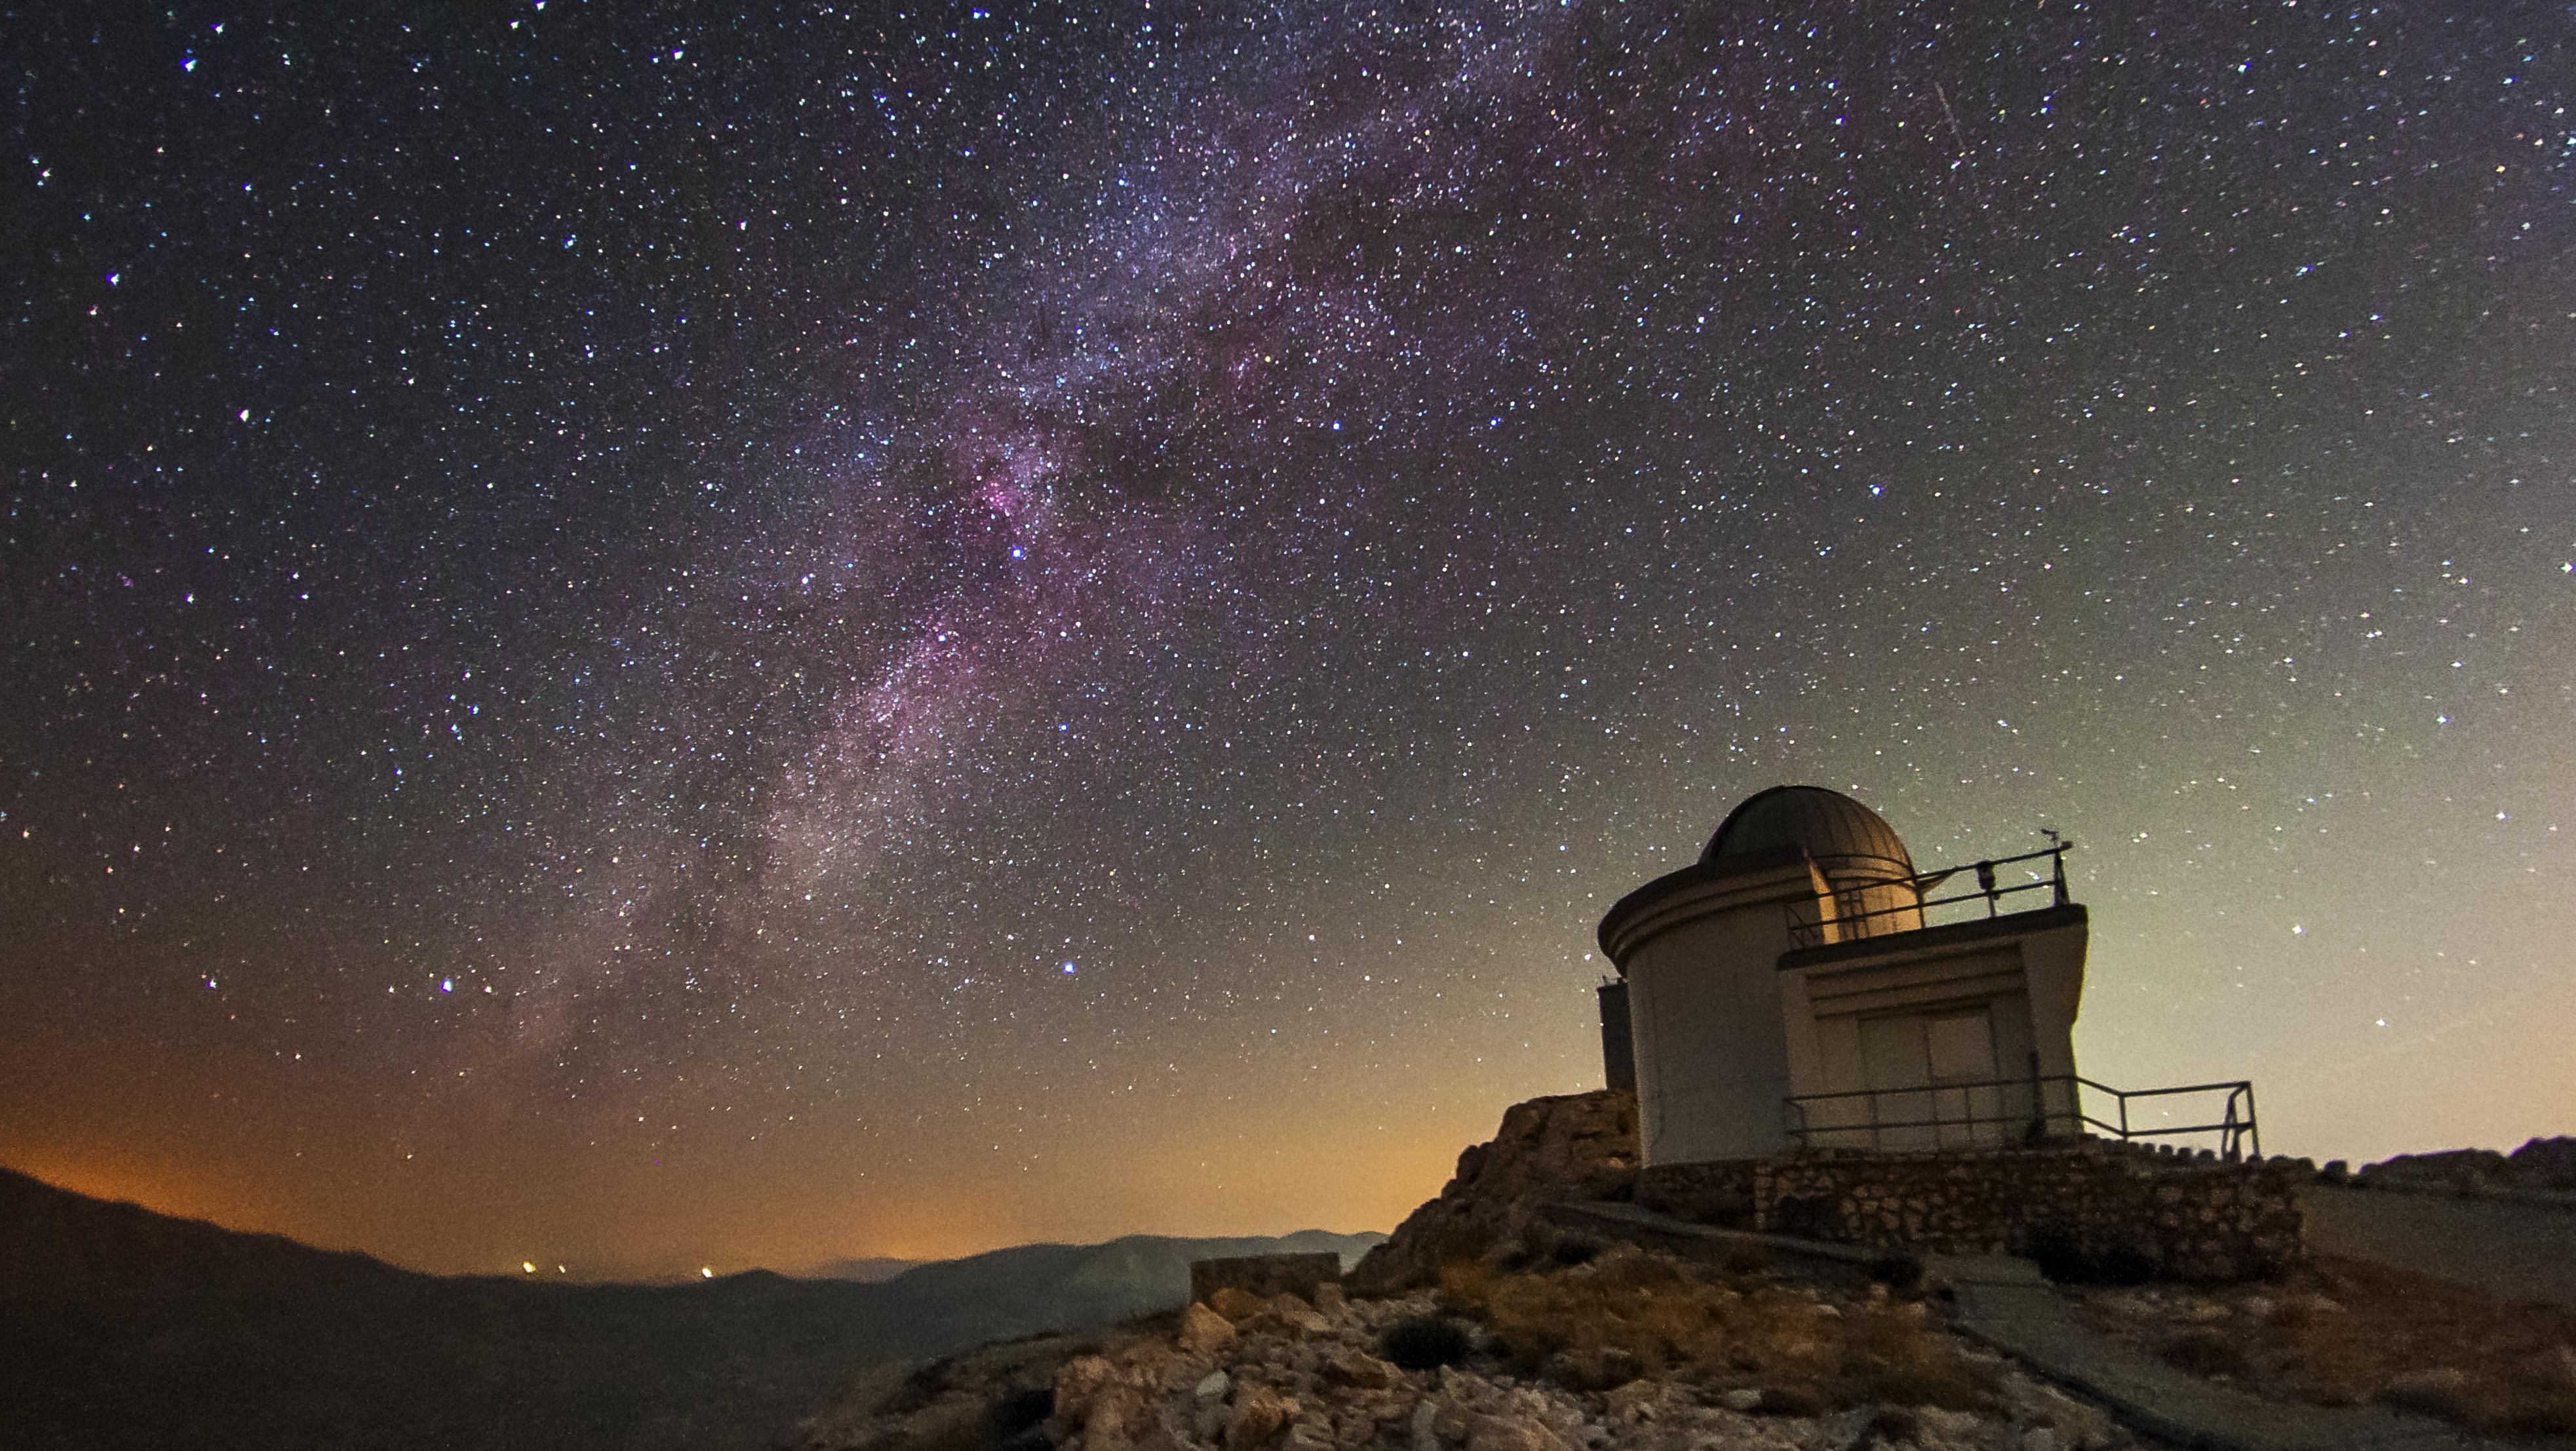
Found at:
(1635, 1222)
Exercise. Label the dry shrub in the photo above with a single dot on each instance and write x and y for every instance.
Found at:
(1745, 1261)
(1891, 1355)
(2068, 1257)
(1021, 1409)
(2517, 1374)
(1575, 1249)
(1464, 1284)
(2348, 1332)
(1901, 1271)
(1424, 1342)
(1674, 1317)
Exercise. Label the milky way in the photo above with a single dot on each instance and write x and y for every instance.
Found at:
(640, 639)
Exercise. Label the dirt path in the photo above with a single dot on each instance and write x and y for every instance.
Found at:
(2515, 1252)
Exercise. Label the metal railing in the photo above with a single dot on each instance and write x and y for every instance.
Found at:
(2020, 1109)
(1847, 926)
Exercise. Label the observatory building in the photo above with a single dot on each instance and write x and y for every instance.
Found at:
(1791, 989)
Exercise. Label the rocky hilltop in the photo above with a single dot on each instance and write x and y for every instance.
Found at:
(1549, 1150)
(1481, 1326)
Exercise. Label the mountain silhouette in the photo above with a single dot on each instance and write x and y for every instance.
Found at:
(121, 1328)
(871, 1270)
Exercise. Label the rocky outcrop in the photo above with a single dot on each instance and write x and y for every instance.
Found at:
(2541, 1168)
(1289, 1375)
(1574, 1147)
(2546, 1164)
(997, 1396)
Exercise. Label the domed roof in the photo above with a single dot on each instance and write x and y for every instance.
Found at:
(1846, 839)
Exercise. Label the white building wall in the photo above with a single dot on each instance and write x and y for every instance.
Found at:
(1704, 1005)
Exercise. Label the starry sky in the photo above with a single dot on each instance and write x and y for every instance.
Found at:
(645, 640)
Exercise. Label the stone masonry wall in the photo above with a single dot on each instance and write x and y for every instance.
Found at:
(1719, 1192)
(2130, 1212)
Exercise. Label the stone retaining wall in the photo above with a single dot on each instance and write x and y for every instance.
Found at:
(1718, 1193)
(1263, 1276)
(2088, 1206)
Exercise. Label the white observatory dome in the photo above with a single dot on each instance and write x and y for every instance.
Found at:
(1862, 858)
(1845, 837)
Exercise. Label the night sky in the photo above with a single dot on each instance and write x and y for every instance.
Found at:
(639, 641)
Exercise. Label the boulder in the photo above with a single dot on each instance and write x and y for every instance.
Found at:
(1297, 1323)
(1356, 1368)
(1513, 1432)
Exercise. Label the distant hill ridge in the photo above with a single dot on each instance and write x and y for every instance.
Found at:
(874, 1269)
(2542, 1170)
(122, 1327)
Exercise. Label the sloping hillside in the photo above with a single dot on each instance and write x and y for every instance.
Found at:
(124, 1328)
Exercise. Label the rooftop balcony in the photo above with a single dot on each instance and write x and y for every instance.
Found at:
(1887, 909)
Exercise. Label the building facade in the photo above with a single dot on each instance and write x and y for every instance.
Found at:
(1789, 989)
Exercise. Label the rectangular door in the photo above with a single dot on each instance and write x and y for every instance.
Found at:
(1893, 1053)
(1931, 1080)
(1960, 1048)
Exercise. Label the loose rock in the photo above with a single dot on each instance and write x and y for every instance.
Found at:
(1234, 1303)
(1203, 1329)
(1259, 1412)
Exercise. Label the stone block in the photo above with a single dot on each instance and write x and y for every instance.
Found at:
(1264, 1276)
